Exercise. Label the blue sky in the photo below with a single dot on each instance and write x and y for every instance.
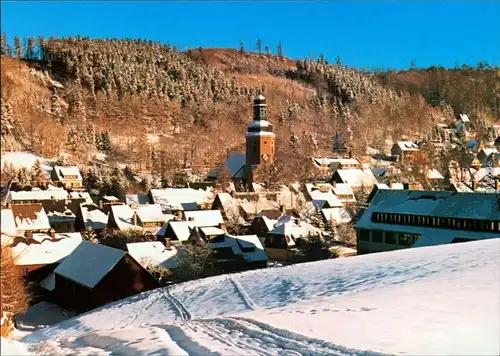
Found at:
(365, 34)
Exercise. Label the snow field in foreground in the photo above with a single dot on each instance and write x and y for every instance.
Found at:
(426, 301)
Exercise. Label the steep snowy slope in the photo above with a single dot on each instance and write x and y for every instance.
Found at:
(433, 300)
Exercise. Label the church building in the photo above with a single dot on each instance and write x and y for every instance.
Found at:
(260, 149)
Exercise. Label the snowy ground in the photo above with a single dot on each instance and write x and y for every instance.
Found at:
(442, 300)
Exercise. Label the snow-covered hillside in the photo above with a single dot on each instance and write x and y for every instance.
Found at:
(431, 300)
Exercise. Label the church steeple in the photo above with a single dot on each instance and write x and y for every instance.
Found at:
(260, 135)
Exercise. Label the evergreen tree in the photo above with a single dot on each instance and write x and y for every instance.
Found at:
(145, 185)
(118, 183)
(37, 172)
(280, 51)
(317, 218)
(30, 47)
(55, 106)
(361, 202)
(259, 46)
(5, 45)
(106, 142)
(17, 47)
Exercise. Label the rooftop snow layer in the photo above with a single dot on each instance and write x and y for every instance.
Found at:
(47, 251)
(154, 253)
(89, 263)
(204, 218)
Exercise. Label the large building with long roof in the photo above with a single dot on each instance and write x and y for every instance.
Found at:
(397, 219)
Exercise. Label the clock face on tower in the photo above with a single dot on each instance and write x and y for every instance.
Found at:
(265, 157)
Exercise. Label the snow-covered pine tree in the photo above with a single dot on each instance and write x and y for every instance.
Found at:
(37, 172)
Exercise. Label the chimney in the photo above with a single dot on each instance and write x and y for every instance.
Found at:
(168, 244)
(334, 184)
(474, 185)
(179, 214)
(29, 234)
(101, 206)
(134, 218)
(282, 209)
(52, 233)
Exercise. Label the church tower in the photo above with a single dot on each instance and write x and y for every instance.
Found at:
(260, 135)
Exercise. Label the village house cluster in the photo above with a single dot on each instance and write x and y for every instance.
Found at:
(48, 230)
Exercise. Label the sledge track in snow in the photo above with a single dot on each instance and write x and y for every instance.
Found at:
(254, 337)
(182, 311)
(243, 294)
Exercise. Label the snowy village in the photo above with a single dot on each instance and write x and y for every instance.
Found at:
(161, 200)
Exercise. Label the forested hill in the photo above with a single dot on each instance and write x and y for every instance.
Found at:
(58, 93)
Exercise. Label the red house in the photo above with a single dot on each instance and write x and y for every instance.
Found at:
(94, 275)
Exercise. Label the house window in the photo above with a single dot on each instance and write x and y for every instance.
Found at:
(433, 221)
(498, 226)
(391, 237)
(25, 271)
(364, 235)
(406, 239)
(377, 236)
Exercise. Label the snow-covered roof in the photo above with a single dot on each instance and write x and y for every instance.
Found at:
(462, 187)
(110, 198)
(231, 207)
(203, 218)
(482, 172)
(339, 215)
(259, 123)
(251, 242)
(407, 146)
(150, 213)
(319, 198)
(464, 118)
(181, 229)
(93, 217)
(437, 204)
(434, 174)
(212, 231)
(269, 222)
(397, 186)
(38, 195)
(327, 161)
(30, 217)
(82, 195)
(287, 226)
(137, 199)
(260, 133)
(89, 263)
(124, 217)
(180, 198)
(488, 151)
(7, 222)
(154, 253)
(47, 251)
(63, 173)
(230, 242)
(343, 189)
(357, 177)
(235, 163)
